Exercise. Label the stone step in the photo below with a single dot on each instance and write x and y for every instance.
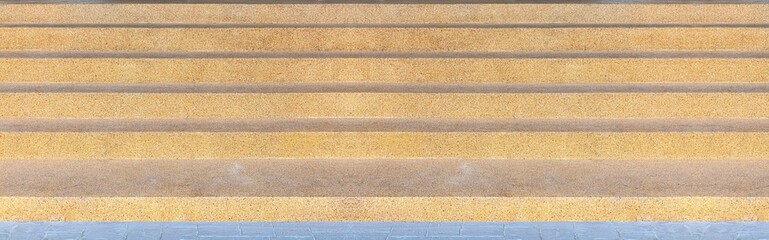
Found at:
(384, 105)
(383, 190)
(389, 145)
(313, 14)
(468, 209)
(439, 177)
(267, 69)
(392, 39)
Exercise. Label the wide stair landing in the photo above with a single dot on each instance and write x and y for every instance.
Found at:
(384, 112)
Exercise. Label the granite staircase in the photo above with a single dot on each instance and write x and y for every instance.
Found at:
(384, 112)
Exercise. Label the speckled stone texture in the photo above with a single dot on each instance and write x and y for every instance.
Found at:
(385, 14)
(294, 69)
(384, 112)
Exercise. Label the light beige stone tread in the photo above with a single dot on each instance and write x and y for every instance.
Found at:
(384, 39)
(384, 209)
(378, 70)
(387, 145)
(384, 105)
(384, 87)
(384, 125)
(384, 178)
(385, 13)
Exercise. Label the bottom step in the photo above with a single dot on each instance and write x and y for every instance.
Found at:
(384, 209)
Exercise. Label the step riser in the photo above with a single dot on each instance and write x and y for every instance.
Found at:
(385, 13)
(375, 70)
(383, 178)
(565, 146)
(384, 39)
(385, 209)
(385, 105)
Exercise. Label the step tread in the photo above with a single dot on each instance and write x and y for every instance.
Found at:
(384, 105)
(386, 13)
(292, 209)
(384, 39)
(377, 70)
(389, 145)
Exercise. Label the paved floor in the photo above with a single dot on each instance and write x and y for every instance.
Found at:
(332, 230)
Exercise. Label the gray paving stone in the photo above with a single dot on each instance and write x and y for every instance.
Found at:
(483, 224)
(356, 229)
(444, 231)
(410, 238)
(30, 227)
(256, 224)
(635, 226)
(292, 238)
(719, 236)
(179, 232)
(639, 235)
(26, 236)
(5, 227)
(105, 231)
(522, 232)
(218, 229)
(483, 231)
(755, 226)
(725, 227)
(556, 234)
(446, 224)
(293, 232)
(27, 231)
(63, 236)
(331, 236)
(411, 224)
(596, 231)
(557, 231)
(409, 231)
(144, 231)
(257, 231)
(753, 235)
(344, 230)
(233, 238)
(673, 231)
(66, 228)
(370, 235)
(384, 231)
(320, 225)
(144, 234)
(180, 225)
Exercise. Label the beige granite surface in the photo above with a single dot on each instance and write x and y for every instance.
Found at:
(384, 178)
(383, 105)
(388, 145)
(381, 70)
(392, 39)
(385, 13)
(384, 209)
